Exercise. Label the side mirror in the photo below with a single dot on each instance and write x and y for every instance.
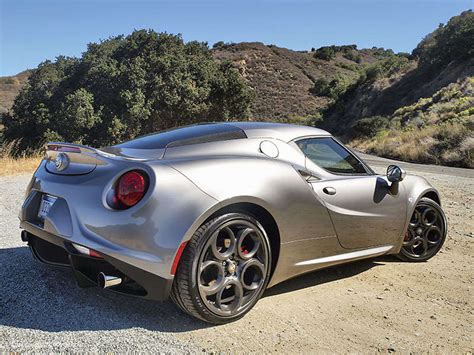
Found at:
(395, 173)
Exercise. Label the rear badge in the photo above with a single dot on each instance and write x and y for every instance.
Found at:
(61, 162)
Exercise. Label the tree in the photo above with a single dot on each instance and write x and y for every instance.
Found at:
(453, 41)
(333, 89)
(78, 111)
(325, 53)
(123, 87)
(370, 126)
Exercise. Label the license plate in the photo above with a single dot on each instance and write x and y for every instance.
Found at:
(46, 202)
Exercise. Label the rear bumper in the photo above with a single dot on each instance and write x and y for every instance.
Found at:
(53, 250)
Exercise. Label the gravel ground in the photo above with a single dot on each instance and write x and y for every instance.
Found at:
(374, 305)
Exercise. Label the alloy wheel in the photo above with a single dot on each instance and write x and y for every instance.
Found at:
(232, 268)
(425, 233)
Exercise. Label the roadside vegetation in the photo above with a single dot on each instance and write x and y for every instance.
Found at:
(437, 130)
(13, 162)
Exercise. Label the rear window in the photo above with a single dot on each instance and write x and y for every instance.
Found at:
(200, 133)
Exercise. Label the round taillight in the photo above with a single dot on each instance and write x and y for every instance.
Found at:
(131, 188)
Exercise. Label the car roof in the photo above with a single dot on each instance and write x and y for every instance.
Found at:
(214, 132)
(283, 131)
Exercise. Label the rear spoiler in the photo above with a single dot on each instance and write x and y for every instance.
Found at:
(82, 152)
(75, 148)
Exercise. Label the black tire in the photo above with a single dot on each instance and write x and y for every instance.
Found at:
(235, 275)
(426, 232)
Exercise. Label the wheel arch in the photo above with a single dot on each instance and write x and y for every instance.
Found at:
(432, 195)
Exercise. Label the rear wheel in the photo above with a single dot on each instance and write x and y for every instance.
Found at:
(426, 232)
(224, 269)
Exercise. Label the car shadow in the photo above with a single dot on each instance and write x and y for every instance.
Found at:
(37, 296)
(322, 276)
(393, 259)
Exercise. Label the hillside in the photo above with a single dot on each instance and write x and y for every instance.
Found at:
(437, 129)
(387, 93)
(284, 80)
(443, 57)
(9, 88)
(422, 112)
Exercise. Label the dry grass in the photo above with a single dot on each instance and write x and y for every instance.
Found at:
(10, 164)
(448, 144)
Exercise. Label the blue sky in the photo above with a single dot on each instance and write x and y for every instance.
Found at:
(35, 30)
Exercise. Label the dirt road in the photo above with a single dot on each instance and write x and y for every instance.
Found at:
(375, 305)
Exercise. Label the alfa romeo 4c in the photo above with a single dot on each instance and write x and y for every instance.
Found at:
(213, 214)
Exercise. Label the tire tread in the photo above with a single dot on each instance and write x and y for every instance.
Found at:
(180, 290)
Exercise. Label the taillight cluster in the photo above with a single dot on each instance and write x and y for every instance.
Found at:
(129, 189)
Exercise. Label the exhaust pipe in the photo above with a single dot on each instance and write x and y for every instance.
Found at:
(106, 281)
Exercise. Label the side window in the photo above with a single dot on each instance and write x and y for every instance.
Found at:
(330, 155)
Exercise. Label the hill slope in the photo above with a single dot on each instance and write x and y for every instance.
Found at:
(422, 112)
(9, 88)
(437, 129)
(284, 80)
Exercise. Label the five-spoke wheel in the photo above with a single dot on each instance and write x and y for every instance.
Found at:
(224, 270)
(232, 267)
(426, 232)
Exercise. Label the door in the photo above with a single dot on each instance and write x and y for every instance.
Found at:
(364, 209)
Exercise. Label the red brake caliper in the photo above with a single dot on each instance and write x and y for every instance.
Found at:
(407, 236)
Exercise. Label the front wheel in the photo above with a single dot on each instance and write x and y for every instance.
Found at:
(426, 232)
(224, 269)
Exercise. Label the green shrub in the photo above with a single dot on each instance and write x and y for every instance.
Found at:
(355, 57)
(349, 66)
(333, 88)
(382, 52)
(370, 126)
(385, 68)
(325, 53)
(322, 87)
(219, 44)
(329, 52)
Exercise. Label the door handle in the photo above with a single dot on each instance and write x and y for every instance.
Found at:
(329, 190)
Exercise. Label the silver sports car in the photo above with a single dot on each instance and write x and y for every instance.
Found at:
(213, 214)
